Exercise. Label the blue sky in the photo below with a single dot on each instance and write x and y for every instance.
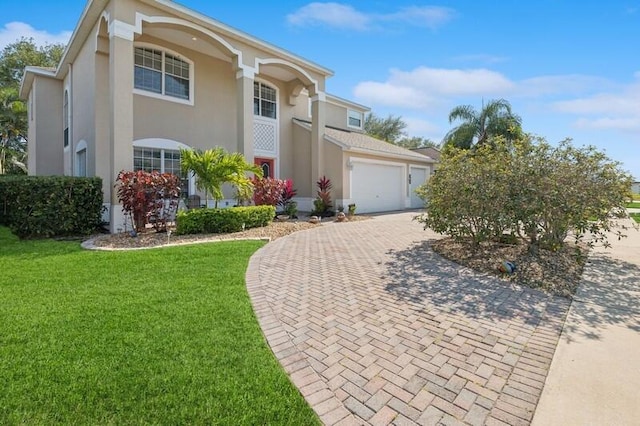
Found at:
(569, 69)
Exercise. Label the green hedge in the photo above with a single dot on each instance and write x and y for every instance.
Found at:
(46, 206)
(219, 221)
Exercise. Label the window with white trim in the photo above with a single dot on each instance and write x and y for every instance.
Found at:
(163, 161)
(265, 100)
(65, 118)
(162, 73)
(354, 119)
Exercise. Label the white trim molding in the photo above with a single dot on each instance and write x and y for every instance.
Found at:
(140, 18)
(319, 96)
(122, 30)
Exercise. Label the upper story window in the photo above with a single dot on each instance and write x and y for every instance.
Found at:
(264, 100)
(162, 73)
(65, 118)
(354, 119)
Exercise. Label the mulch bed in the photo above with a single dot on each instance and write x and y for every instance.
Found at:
(150, 238)
(555, 272)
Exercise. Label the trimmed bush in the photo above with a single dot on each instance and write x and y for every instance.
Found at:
(220, 221)
(47, 206)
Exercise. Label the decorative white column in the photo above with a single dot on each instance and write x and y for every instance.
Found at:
(318, 120)
(120, 110)
(244, 99)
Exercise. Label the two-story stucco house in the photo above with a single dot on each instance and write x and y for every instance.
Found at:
(141, 79)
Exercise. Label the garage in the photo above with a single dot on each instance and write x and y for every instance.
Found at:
(377, 186)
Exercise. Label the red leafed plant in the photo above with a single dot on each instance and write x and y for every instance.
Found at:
(268, 191)
(322, 204)
(148, 196)
(287, 194)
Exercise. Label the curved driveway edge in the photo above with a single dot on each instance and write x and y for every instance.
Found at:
(374, 328)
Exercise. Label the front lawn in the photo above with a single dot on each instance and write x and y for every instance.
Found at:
(633, 205)
(163, 336)
(635, 216)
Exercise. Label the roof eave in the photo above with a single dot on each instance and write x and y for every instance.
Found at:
(391, 155)
(27, 79)
(90, 14)
(337, 99)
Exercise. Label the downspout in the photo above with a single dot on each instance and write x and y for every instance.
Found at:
(72, 150)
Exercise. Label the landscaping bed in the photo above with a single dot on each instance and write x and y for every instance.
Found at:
(556, 272)
(150, 238)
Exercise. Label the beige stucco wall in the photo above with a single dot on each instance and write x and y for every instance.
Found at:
(334, 169)
(209, 122)
(46, 128)
(99, 163)
(336, 116)
(301, 164)
(82, 76)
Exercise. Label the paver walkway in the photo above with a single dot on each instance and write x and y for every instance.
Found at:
(374, 328)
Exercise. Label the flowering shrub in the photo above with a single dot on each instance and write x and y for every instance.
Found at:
(148, 195)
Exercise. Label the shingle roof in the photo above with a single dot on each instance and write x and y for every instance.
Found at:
(354, 141)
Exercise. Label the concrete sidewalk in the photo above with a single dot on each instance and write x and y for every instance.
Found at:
(595, 373)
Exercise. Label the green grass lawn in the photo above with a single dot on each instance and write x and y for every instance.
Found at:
(634, 205)
(635, 216)
(163, 336)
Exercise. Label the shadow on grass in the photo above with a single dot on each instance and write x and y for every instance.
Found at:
(421, 276)
(609, 294)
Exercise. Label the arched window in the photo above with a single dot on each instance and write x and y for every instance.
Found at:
(265, 100)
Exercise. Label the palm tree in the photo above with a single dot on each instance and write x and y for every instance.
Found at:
(495, 119)
(215, 167)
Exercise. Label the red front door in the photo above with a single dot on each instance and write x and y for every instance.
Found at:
(266, 164)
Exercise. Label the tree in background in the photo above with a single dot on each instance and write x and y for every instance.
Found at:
(13, 125)
(417, 142)
(388, 129)
(13, 111)
(477, 127)
(392, 130)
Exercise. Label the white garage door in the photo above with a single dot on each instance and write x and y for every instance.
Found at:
(418, 177)
(377, 187)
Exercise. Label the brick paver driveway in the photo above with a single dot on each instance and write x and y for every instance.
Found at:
(374, 328)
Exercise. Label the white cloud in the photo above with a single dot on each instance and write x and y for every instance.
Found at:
(344, 16)
(613, 110)
(455, 82)
(426, 88)
(13, 31)
(628, 124)
(563, 84)
(392, 95)
(331, 14)
(431, 17)
(424, 128)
